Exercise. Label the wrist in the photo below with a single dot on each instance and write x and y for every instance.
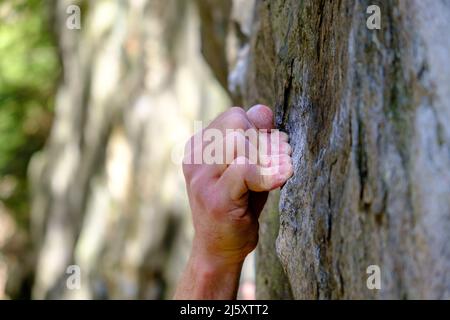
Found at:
(214, 259)
(213, 267)
(214, 280)
(210, 277)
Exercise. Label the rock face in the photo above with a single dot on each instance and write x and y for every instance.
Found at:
(367, 114)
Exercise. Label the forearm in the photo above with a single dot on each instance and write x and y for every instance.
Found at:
(206, 279)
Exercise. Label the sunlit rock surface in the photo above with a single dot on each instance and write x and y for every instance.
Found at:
(367, 112)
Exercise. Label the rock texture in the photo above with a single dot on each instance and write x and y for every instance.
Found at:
(367, 114)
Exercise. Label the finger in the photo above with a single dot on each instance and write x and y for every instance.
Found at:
(272, 161)
(234, 126)
(273, 143)
(261, 116)
(283, 136)
(221, 152)
(241, 144)
(258, 116)
(242, 176)
(280, 148)
(234, 118)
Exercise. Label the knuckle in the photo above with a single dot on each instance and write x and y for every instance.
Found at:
(237, 110)
(237, 120)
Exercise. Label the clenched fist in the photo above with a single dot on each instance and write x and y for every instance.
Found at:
(229, 168)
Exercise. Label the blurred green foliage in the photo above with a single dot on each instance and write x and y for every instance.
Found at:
(29, 68)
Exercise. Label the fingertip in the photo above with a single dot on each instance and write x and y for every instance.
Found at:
(261, 116)
(281, 148)
(285, 172)
(286, 148)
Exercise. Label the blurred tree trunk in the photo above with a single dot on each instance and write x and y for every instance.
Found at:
(107, 195)
(367, 114)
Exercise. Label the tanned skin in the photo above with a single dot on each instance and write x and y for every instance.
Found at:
(226, 201)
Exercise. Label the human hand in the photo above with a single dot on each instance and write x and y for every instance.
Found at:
(226, 198)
